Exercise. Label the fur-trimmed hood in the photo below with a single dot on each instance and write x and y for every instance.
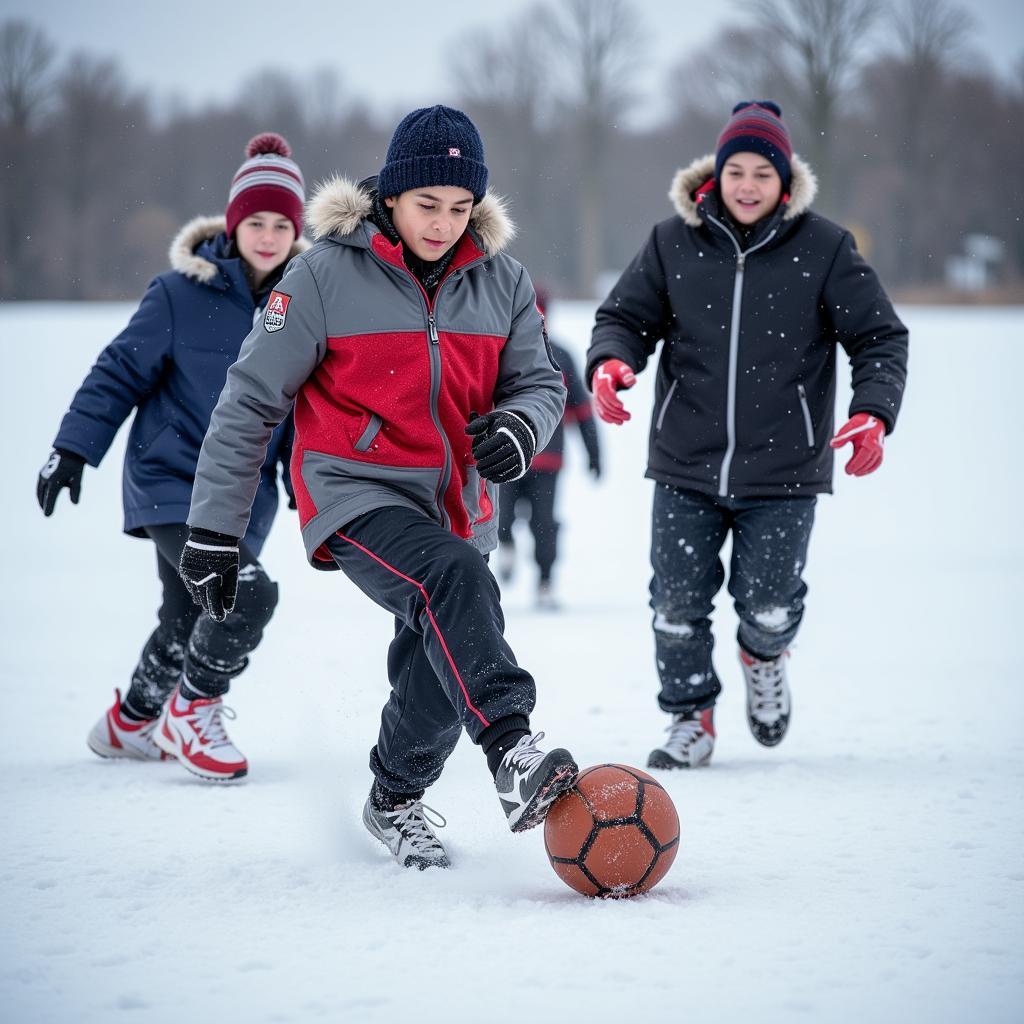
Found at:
(339, 205)
(803, 187)
(201, 229)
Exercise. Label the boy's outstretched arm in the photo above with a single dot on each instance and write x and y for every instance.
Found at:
(276, 359)
(627, 328)
(874, 337)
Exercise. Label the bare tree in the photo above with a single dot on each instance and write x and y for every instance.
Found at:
(26, 57)
(735, 66)
(502, 79)
(595, 44)
(932, 37)
(823, 43)
(95, 123)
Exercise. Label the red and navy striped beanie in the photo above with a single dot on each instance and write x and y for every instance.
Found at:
(268, 180)
(756, 127)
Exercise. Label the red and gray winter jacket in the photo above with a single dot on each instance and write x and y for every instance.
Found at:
(383, 380)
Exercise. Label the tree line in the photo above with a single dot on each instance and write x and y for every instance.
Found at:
(914, 137)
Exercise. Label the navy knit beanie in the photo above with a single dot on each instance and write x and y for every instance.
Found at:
(756, 127)
(434, 146)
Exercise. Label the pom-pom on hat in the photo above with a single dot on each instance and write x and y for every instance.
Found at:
(756, 127)
(434, 146)
(268, 180)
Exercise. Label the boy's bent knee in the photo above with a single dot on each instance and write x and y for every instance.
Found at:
(257, 594)
(674, 627)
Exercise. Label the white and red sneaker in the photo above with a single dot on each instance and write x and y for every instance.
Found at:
(193, 732)
(690, 743)
(116, 736)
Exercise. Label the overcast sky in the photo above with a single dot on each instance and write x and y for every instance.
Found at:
(392, 54)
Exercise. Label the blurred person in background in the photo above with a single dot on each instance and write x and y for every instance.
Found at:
(751, 293)
(169, 364)
(536, 491)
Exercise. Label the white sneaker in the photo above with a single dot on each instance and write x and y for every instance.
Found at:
(529, 781)
(546, 600)
(116, 736)
(690, 744)
(407, 833)
(506, 559)
(768, 703)
(194, 733)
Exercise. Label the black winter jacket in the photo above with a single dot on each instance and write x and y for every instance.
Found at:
(745, 393)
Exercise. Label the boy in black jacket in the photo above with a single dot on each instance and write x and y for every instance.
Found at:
(751, 292)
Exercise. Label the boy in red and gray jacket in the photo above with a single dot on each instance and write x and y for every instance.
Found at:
(412, 349)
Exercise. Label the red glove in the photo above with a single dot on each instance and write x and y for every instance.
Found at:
(610, 376)
(867, 434)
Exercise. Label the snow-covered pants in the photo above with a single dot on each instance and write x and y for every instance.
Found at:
(210, 653)
(449, 665)
(769, 551)
(537, 488)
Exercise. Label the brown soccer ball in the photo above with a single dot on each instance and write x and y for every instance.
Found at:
(614, 834)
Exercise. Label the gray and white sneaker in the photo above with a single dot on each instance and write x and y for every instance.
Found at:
(690, 743)
(408, 832)
(768, 703)
(529, 781)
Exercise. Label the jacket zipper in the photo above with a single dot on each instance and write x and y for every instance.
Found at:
(435, 391)
(734, 346)
(808, 425)
(664, 406)
(435, 378)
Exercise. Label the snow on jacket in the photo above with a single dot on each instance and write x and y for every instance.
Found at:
(170, 364)
(577, 410)
(745, 389)
(383, 380)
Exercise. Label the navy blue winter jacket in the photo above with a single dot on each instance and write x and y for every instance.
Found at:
(170, 363)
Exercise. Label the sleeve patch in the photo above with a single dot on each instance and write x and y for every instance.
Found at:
(276, 312)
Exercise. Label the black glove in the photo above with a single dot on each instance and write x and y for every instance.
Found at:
(62, 469)
(504, 444)
(209, 570)
(595, 466)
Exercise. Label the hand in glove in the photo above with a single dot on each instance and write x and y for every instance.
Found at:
(610, 376)
(209, 570)
(62, 469)
(867, 435)
(504, 445)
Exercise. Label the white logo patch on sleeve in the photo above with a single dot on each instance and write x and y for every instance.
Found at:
(276, 312)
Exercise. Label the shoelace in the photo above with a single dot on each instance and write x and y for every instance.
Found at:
(209, 724)
(525, 755)
(683, 732)
(414, 822)
(766, 682)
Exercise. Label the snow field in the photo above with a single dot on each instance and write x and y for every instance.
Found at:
(868, 869)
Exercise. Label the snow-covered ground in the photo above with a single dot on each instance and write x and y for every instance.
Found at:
(869, 869)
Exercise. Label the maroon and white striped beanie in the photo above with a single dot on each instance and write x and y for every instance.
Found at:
(268, 180)
(756, 127)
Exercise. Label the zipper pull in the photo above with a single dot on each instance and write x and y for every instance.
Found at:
(433, 329)
(741, 260)
(800, 391)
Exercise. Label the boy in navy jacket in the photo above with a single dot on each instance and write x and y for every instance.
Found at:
(169, 365)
